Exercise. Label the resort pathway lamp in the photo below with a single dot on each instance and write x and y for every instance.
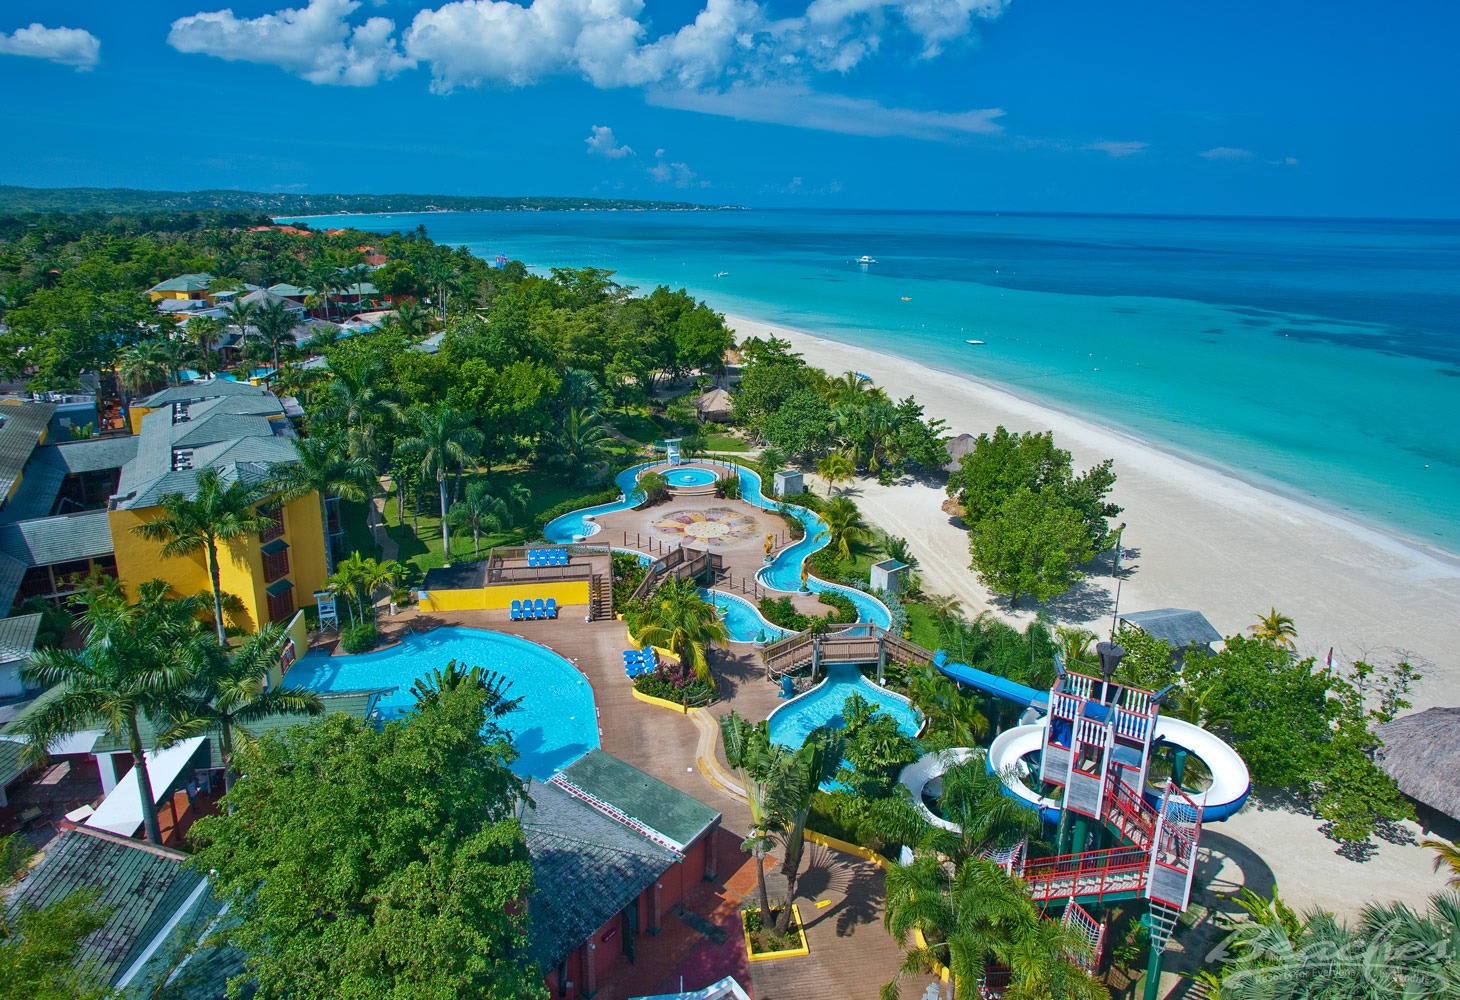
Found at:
(1110, 655)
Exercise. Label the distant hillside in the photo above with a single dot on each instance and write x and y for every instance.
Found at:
(24, 199)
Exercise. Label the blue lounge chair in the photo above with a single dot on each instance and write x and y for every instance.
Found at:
(539, 609)
(530, 610)
(563, 557)
(517, 611)
(552, 607)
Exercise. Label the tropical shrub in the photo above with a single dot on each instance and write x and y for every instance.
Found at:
(845, 612)
(360, 637)
(678, 688)
(729, 487)
(780, 611)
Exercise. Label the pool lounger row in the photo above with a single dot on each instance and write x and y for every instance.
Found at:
(530, 610)
(547, 557)
(640, 661)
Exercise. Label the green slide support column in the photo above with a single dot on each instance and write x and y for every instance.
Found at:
(1082, 829)
(1178, 767)
(1153, 974)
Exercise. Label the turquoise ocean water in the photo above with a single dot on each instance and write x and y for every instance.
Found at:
(1317, 357)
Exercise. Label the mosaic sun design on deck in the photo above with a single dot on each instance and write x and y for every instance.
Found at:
(715, 526)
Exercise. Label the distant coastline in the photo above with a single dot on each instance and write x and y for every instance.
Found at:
(14, 199)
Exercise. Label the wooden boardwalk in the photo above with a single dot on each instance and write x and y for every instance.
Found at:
(851, 954)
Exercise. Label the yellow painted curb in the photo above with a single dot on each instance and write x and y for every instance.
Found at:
(649, 699)
(766, 956)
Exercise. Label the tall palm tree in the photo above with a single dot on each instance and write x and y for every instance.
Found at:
(989, 820)
(326, 279)
(412, 319)
(359, 578)
(444, 440)
(1276, 628)
(358, 405)
(1075, 646)
(353, 279)
(844, 527)
(274, 321)
(836, 468)
(442, 274)
(793, 785)
(678, 619)
(134, 659)
(231, 692)
(141, 365)
(480, 511)
(323, 466)
(748, 750)
(240, 315)
(214, 513)
(945, 610)
(204, 331)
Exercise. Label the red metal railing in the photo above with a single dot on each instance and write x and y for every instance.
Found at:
(1091, 875)
(1126, 810)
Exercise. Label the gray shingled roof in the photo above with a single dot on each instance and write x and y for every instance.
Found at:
(1178, 626)
(586, 868)
(678, 816)
(48, 540)
(12, 571)
(91, 455)
(36, 493)
(17, 637)
(21, 427)
(144, 887)
(196, 391)
(11, 765)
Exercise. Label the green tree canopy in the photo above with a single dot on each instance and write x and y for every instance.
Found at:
(361, 863)
(1029, 544)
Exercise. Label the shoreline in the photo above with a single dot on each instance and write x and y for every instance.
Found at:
(1201, 536)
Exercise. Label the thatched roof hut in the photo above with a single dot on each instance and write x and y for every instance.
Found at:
(1421, 752)
(715, 405)
(957, 448)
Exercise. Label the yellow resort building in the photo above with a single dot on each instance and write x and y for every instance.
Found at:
(242, 431)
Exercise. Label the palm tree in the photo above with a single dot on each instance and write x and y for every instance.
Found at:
(945, 610)
(275, 321)
(240, 315)
(323, 467)
(134, 660)
(990, 820)
(1447, 855)
(772, 460)
(792, 786)
(412, 319)
(428, 690)
(678, 619)
(836, 468)
(359, 578)
(1075, 646)
(231, 692)
(214, 513)
(576, 445)
(748, 749)
(977, 913)
(357, 405)
(1276, 628)
(480, 511)
(844, 527)
(353, 278)
(441, 274)
(326, 279)
(204, 331)
(444, 440)
(141, 365)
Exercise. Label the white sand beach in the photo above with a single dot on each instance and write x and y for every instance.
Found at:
(1199, 538)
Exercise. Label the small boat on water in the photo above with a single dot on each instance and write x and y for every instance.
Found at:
(864, 259)
(975, 343)
(722, 274)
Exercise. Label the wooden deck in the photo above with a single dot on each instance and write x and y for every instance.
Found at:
(851, 954)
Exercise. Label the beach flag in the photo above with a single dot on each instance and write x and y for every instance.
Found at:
(1330, 657)
(501, 261)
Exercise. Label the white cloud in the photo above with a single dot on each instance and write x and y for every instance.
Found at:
(1225, 153)
(793, 104)
(1290, 161)
(66, 46)
(603, 142)
(316, 42)
(679, 174)
(1116, 150)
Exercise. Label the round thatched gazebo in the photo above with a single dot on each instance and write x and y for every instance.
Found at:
(957, 448)
(1421, 752)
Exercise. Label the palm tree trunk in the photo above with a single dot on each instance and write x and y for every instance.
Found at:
(765, 896)
(215, 573)
(144, 783)
(445, 533)
(228, 775)
(324, 525)
(791, 868)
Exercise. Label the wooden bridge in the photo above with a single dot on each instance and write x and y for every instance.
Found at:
(693, 564)
(858, 643)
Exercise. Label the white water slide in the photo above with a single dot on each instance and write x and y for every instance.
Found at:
(1230, 781)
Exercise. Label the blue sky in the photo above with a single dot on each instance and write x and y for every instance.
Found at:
(1272, 108)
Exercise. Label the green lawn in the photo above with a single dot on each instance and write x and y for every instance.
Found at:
(717, 441)
(358, 537)
(639, 425)
(923, 628)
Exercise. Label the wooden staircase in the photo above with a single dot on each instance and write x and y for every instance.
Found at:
(600, 598)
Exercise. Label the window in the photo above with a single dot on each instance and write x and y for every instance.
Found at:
(274, 514)
(276, 564)
(281, 605)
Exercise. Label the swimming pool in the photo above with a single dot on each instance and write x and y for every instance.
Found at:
(690, 477)
(792, 722)
(743, 620)
(556, 724)
(578, 525)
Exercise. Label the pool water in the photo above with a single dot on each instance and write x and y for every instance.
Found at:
(743, 620)
(573, 526)
(690, 477)
(556, 723)
(822, 706)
